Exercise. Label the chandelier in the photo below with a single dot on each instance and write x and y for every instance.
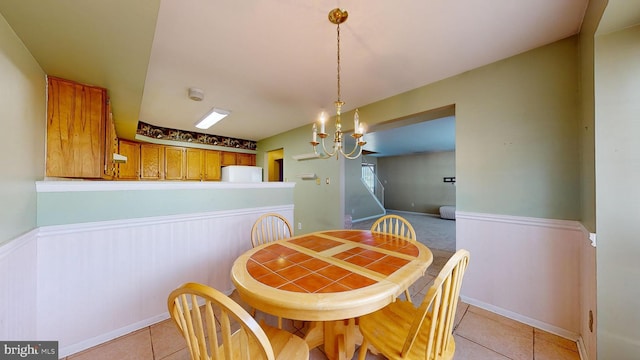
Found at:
(337, 17)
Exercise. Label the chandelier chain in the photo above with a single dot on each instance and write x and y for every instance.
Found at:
(338, 56)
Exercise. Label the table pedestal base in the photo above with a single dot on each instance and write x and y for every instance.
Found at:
(339, 337)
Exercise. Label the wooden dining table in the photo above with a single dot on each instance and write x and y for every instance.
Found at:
(329, 278)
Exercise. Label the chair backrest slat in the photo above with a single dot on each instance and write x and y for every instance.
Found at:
(248, 342)
(439, 305)
(212, 328)
(394, 225)
(270, 227)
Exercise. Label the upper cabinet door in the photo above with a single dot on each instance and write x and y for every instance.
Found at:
(228, 158)
(212, 165)
(131, 169)
(173, 163)
(151, 162)
(194, 163)
(246, 159)
(75, 129)
(110, 145)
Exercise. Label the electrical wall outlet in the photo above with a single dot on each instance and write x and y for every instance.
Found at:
(299, 226)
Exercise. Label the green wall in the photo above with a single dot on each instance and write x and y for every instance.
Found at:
(587, 125)
(23, 104)
(617, 122)
(317, 206)
(415, 182)
(517, 142)
(69, 207)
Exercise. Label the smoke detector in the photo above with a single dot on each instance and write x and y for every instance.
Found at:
(196, 94)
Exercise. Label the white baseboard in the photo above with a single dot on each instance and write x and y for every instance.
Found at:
(523, 319)
(103, 338)
(582, 350)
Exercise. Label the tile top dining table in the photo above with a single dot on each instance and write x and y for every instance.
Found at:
(327, 277)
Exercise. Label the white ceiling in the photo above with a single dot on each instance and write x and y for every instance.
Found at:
(273, 63)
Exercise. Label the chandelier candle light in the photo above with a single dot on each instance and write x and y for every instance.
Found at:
(337, 17)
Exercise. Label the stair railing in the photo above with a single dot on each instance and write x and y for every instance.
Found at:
(373, 183)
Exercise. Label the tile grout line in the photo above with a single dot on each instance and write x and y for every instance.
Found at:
(488, 348)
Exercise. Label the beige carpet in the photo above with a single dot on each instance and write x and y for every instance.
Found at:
(431, 230)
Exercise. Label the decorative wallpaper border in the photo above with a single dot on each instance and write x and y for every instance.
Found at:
(158, 132)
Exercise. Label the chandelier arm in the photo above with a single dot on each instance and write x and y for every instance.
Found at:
(353, 157)
(315, 151)
(355, 147)
(329, 153)
(320, 156)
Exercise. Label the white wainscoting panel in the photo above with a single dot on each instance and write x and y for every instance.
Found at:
(102, 280)
(18, 288)
(90, 283)
(527, 269)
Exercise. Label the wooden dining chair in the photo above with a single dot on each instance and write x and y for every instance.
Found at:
(216, 327)
(270, 227)
(402, 331)
(395, 225)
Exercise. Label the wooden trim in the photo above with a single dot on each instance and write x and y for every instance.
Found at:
(73, 186)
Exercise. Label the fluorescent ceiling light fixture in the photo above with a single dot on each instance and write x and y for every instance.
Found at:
(211, 118)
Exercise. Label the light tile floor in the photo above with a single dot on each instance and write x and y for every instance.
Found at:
(479, 335)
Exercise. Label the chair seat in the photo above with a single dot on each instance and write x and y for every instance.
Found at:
(285, 345)
(401, 331)
(221, 329)
(392, 324)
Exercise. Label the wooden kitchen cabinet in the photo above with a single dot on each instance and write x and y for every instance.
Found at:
(246, 159)
(233, 158)
(202, 164)
(131, 169)
(174, 163)
(212, 165)
(110, 145)
(194, 163)
(228, 158)
(76, 116)
(151, 162)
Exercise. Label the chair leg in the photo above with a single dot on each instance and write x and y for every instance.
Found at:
(363, 349)
(253, 314)
(407, 295)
